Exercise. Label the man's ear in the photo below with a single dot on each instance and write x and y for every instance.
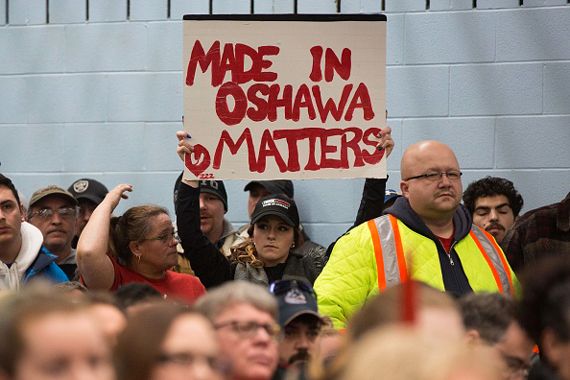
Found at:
(404, 189)
(551, 347)
(23, 215)
(472, 337)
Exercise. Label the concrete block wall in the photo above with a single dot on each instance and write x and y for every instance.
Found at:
(94, 88)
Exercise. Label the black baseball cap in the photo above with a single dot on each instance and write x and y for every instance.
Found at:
(274, 187)
(295, 297)
(279, 205)
(88, 188)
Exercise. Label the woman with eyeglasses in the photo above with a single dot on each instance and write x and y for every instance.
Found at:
(181, 345)
(268, 256)
(139, 246)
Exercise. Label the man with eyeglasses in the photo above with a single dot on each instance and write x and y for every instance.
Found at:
(54, 211)
(490, 319)
(22, 254)
(300, 324)
(427, 235)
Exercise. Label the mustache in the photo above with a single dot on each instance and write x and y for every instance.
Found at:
(300, 356)
(446, 191)
(494, 225)
(56, 230)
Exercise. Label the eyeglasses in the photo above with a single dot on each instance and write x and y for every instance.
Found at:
(188, 359)
(283, 286)
(47, 213)
(452, 175)
(166, 237)
(517, 368)
(248, 329)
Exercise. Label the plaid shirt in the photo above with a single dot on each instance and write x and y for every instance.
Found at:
(539, 232)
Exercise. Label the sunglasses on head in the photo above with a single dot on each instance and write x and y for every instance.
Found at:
(283, 286)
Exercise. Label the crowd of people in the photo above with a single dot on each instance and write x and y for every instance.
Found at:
(430, 282)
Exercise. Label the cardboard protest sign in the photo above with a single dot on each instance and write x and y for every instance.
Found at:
(268, 97)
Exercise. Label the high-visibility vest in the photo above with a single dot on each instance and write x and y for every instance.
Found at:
(402, 253)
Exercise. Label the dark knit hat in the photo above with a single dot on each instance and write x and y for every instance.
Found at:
(278, 205)
(216, 188)
(274, 187)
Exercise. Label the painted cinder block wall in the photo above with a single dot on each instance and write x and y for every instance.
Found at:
(94, 88)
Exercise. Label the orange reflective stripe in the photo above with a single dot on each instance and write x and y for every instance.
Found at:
(503, 260)
(378, 254)
(399, 249)
(488, 260)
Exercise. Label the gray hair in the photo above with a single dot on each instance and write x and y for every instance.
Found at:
(233, 293)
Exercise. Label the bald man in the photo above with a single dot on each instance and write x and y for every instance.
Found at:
(427, 235)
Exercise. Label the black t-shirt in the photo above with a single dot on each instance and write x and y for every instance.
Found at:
(275, 273)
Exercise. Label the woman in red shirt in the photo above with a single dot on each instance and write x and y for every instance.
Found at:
(139, 246)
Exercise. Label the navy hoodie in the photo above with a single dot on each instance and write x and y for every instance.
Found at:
(454, 278)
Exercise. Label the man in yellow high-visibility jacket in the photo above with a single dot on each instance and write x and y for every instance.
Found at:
(426, 235)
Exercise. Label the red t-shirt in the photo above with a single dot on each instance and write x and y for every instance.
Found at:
(446, 242)
(178, 286)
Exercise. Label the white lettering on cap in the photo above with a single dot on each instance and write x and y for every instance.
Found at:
(213, 184)
(276, 202)
(295, 296)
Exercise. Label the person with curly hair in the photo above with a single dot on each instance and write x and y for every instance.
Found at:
(270, 254)
(494, 204)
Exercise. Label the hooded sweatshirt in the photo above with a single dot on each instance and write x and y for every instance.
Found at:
(454, 277)
(32, 260)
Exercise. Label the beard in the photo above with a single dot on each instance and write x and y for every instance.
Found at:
(300, 356)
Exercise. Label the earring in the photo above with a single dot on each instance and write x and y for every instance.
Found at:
(138, 258)
(293, 245)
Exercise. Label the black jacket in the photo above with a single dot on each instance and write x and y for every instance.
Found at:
(371, 205)
(210, 265)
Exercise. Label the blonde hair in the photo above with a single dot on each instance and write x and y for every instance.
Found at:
(245, 253)
(402, 353)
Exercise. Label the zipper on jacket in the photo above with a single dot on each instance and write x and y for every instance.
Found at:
(449, 254)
